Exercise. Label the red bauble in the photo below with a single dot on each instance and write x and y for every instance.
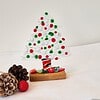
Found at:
(66, 53)
(41, 18)
(62, 47)
(31, 51)
(45, 28)
(63, 39)
(53, 40)
(51, 25)
(39, 34)
(23, 86)
(56, 58)
(61, 69)
(40, 56)
(49, 46)
(51, 70)
(42, 23)
(33, 71)
(47, 56)
(35, 30)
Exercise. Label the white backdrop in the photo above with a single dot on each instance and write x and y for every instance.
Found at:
(78, 20)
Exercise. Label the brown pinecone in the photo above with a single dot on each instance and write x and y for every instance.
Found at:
(8, 84)
(19, 72)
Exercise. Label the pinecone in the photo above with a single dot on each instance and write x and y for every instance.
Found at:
(19, 72)
(8, 84)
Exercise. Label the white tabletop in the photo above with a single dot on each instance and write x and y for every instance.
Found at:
(83, 82)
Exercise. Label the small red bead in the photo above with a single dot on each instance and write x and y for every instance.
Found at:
(66, 53)
(40, 34)
(53, 40)
(62, 47)
(63, 39)
(56, 58)
(45, 28)
(33, 71)
(31, 50)
(43, 24)
(47, 56)
(40, 56)
(51, 70)
(41, 48)
(55, 31)
(49, 46)
(35, 30)
(61, 69)
(51, 25)
(34, 44)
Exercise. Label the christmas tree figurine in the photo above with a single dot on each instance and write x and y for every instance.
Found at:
(46, 44)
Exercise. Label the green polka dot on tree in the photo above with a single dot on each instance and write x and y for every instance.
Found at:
(59, 52)
(29, 44)
(36, 56)
(52, 20)
(35, 36)
(27, 56)
(51, 33)
(38, 41)
(51, 51)
(60, 41)
(46, 13)
(55, 26)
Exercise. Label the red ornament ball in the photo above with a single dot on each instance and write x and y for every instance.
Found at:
(51, 25)
(66, 53)
(42, 23)
(39, 34)
(47, 56)
(63, 39)
(53, 40)
(45, 28)
(34, 44)
(55, 31)
(23, 86)
(51, 70)
(31, 50)
(35, 30)
(33, 71)
(40, 56)
(61, 69)
(62, 47)
(41, 18)
(49, 46)
(56, 58)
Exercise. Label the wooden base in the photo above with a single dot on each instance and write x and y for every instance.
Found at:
(47, 76)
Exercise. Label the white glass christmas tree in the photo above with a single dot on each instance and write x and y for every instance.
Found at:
(46, 41)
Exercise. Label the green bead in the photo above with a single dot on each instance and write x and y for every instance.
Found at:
(52, 45)
(27, 56)
(46, 13)
(36, 26)
(55, 26)
(38, 41)
(42, 38)
(59, 52)
(46, 38)
(30, 44)
(60, 41)
(51, 33)
(45, 47)
(35, 36)
(51, 51)
(36, 56)
(52, 20)
(42, 21)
